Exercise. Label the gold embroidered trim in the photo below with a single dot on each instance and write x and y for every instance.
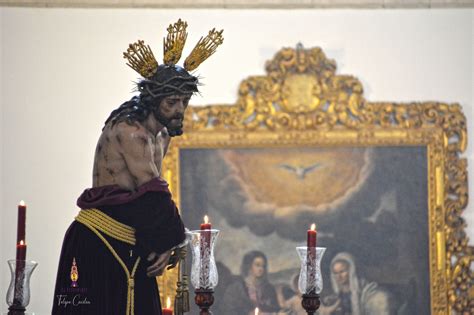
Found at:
(107, 225)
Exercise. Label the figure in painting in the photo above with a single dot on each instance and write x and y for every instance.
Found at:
(354, 295)
(252, 289)
(290, 298)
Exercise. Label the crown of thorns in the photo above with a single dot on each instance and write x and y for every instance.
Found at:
(170, 80)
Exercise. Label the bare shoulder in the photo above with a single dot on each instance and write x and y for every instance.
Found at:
(123, 128)
(129, 135)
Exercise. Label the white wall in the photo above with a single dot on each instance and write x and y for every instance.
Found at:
(2, 260)
(63, 72)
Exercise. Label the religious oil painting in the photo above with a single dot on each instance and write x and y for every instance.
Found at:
(367, 202)
(384, 182)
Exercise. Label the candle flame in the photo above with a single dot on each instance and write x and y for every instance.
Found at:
(168, 302)
(256, 311)
(313, 227)
(22, 242)
(206, 219)
(22, 203)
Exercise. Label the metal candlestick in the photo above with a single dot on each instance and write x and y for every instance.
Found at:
(310, 303)
(181, 302)
(204, 299)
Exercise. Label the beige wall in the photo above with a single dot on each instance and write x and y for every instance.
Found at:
(62, 73)
(2, 260)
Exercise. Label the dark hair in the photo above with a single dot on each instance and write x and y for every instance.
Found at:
(248, 261)
(130, 111)
(168, 80)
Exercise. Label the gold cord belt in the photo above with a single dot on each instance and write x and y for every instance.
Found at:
(97, 222)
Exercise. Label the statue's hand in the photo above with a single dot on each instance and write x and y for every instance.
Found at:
(158, 265)
(175, 256)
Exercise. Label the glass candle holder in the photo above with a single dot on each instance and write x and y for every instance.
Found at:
(310, 280)
(18, 294)
(203, 271)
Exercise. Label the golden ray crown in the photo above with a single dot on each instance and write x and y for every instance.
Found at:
(204, 49)
(141, 59)
(174, 43)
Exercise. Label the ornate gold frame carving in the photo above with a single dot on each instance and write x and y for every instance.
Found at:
(302, 101)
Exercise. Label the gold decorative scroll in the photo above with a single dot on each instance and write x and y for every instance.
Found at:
(302, 101)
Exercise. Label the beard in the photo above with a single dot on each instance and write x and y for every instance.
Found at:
(174, 124)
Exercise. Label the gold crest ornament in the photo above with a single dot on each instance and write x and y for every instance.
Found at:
(141, 59)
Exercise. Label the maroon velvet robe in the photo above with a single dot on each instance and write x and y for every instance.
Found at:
(102, 283)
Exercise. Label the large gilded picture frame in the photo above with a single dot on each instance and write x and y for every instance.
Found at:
(302, 109)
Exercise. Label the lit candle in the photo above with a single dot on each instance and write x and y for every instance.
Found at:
(21, 226)
(168, 310)
(256, 311)
(205, 248)
(19, 270)
(21, 251)
(312, 235)
(206, 225)
(311, 259)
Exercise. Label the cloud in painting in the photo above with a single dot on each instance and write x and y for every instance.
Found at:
(283, 186)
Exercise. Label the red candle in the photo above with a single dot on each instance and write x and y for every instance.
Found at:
(19, 270)
(206, 225)
(312, 234)
(311, 259)
(206, 235)
(205, 245)
(21, 227)
(167, 310)
(21, 251)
